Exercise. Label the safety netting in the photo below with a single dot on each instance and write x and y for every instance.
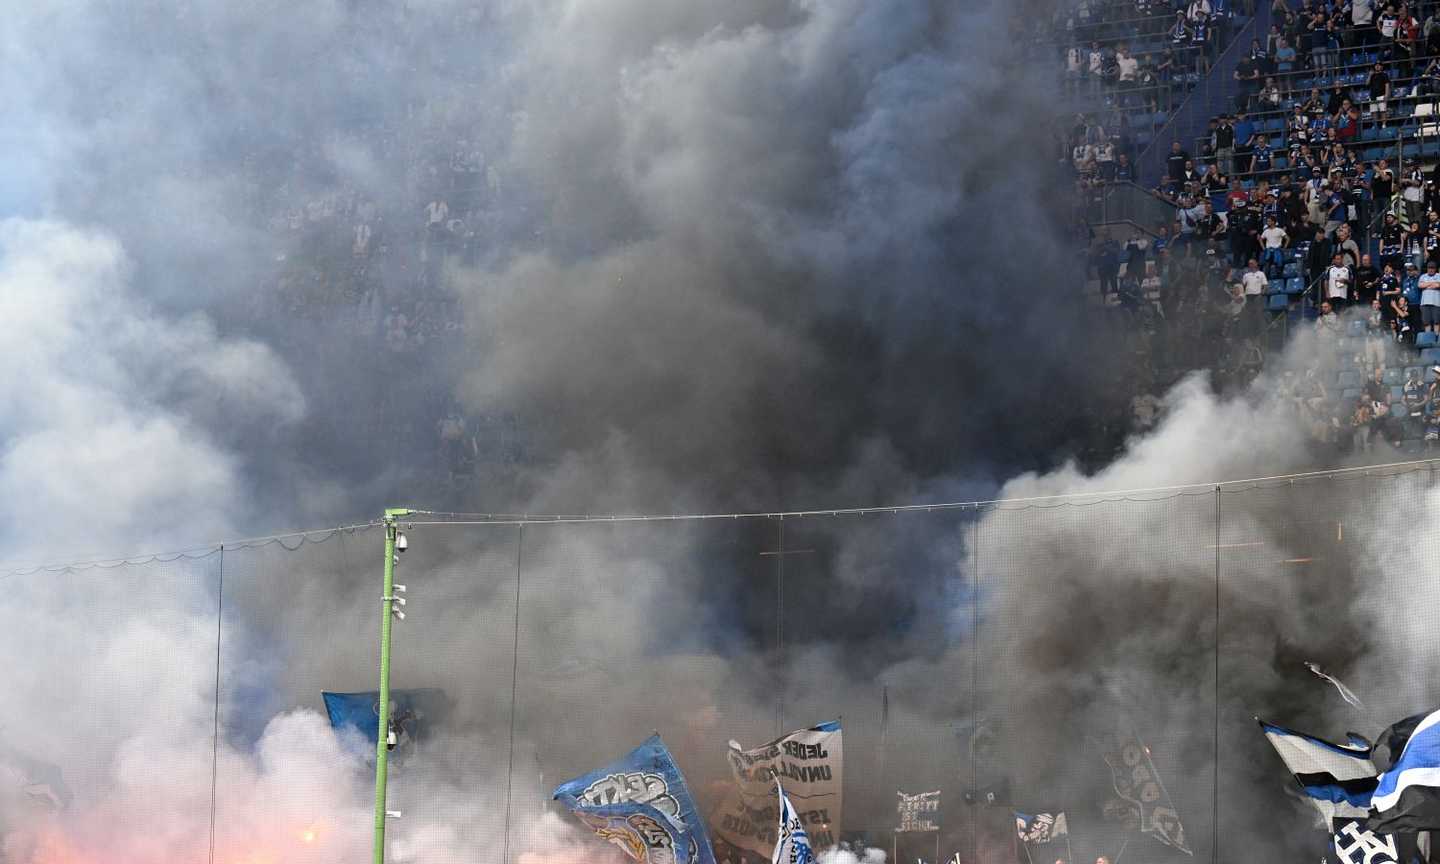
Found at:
(1091, 665)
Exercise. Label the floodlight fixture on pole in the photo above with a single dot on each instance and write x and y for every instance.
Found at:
(388, 614)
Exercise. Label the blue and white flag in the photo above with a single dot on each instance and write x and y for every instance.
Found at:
(1407, 797)
(413, 714)
(641, 804)
(793, 845)
(1337, 779)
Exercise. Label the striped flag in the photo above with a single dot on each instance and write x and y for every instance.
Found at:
(1337, 779)
(1407, 797)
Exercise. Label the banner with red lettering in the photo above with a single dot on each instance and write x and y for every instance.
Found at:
(808, 765)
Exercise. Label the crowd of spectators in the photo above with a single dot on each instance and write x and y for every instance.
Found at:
(1130, 64)
(1314, 203)
(368, 266)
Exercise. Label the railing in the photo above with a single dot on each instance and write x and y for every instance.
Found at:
(1127, 202)
(1151, 159)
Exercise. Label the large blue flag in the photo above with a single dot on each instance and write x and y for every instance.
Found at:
(641, 804)
(412, 714)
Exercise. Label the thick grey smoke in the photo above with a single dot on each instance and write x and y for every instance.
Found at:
(755, 254)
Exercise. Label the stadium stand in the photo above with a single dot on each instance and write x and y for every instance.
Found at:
(1307, 192)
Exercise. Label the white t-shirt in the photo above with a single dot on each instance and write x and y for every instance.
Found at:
(1362, 11)
(1337, 282)
(1274, 237)
(1387, 25)
(1254, 282)
(1429, 289)
(1097, 62)
(436, 211)
(1128, 67)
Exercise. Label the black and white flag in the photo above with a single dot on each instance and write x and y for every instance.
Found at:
(1138, 785)
(1355, 844)
(1041, 827)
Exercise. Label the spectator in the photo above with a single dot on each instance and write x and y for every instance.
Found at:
(1176, 162)
(1327, 325)
(1248, 77)
(1413, 393)
(1273, 241)
(1285, 56)
(1254, 282)
(1224, 143)
(1360, 420)
(1337, 281)
(1107, 267)
(1379, 86)
(1382, 185)
(1367, 280)
(1244, 140)
(1362, 13)
(1124, 171)
(1318, 258)
(1388, 289)
(1431, 240)
(1429, 83)
(1214, 182)
(1346, 246)
(1402, 321)
(1127, 65)
(1377, 333)
(1392, 241)
(1412, 193)
(1430, 298)
(1180, 32)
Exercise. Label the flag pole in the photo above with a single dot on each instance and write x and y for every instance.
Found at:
(382, 737)
(1069, 853)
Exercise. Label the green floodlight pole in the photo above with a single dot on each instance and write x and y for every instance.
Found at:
(382, 738)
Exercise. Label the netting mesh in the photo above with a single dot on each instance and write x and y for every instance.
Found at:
(1003, 654)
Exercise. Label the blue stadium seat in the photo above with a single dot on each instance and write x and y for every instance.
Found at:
(1292, 270)
(1295, 285)
(1426, 340)
(1350, 394)
(1357, 328)
(1277, 303)
(1395, 376)
(1430, 355)
(1348, 380)
(1397, 394)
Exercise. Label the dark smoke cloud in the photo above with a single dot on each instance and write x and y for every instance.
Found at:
(741, 255)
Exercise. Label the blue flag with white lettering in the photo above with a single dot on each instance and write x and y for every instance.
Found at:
(641, 804)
